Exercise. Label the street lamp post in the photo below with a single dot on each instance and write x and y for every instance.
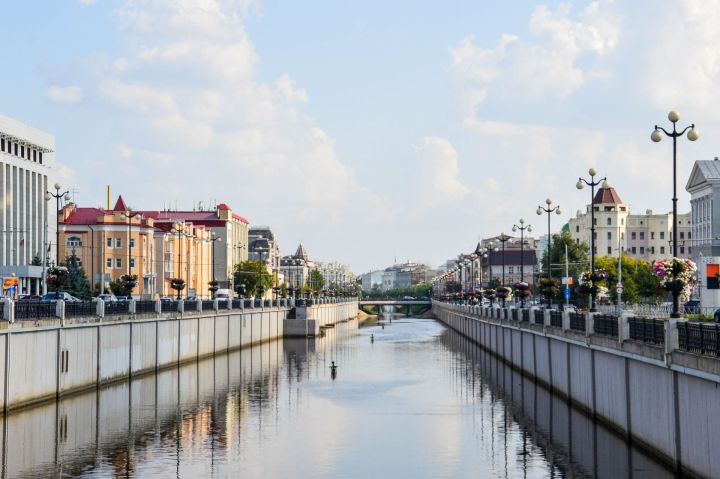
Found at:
(130, 217)
(549, 209)
(503, 238)
(213, 239)
(692, 135)
(179, 228)
(57, 195)
(522, 229)
(592, 184)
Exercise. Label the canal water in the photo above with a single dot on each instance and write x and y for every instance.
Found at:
(410, 398)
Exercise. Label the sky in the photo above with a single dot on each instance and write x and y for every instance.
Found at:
(371, 131)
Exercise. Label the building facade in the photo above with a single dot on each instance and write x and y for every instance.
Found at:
(110, 244)
(296, 268)
(336, 275)
(26, 163)
(372, 280)
(263, 246)
(645, 236)
(231, 229)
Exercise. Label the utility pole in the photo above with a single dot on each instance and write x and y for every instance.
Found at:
(567, 278)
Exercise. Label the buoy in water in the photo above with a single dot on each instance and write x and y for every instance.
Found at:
(372, 338)
(333, 369)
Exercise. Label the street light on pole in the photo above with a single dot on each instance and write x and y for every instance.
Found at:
(522, 229)
(592, 184)
(549, 210)
(213, 283)
(503, 238)
(57, 195)
(130, 217)
(692, 135)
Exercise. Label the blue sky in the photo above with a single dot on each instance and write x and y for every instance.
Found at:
(368, 130)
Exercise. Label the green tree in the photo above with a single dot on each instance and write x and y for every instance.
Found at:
(36, 261)
(284, 289)
(639, 282)
(316, 280)
(77, 283)
(119, 287)
(252, 273)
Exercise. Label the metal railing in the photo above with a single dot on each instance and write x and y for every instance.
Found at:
(208, 305)
(577, 321)
(117, 307)
(556, 319)
(514, 314)
(189, 306)
(237, 303)
(34, 310)
(80, 308)
(144, 306)
(647, 330)
(605, 324)
(699, 338)
(539, 316)
(526, 315)
(168, 306)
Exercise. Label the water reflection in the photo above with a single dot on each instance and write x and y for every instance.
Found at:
(411, 399)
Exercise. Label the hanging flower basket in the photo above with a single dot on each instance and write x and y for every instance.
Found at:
(57, 276)
(213, 286)
(178, 284)
(489, 293)
(677, 275)
(522, 290)
(548, 287)
(592, 283)
(503, 292)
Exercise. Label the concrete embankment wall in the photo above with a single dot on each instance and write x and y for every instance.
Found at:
(38, 364)
(669, 410)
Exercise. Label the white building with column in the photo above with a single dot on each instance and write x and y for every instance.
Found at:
(26, 163)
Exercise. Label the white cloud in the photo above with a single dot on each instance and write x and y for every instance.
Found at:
(125, 151)
(547, 65)
(65, 94)
(439, 168)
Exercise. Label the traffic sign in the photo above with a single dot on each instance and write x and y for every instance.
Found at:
(567, 294)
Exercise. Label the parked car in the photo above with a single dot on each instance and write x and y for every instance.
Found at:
(29, 297)
(46, 298)
(410, 298)
(106, 298)
(167, 299)
(192, 298)
(122, 298)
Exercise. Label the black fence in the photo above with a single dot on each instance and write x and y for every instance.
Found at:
(190, 306)
(647, 330)
(514, 314)
(577, 321)
(168, 306)
(605, 324)
(699, 338)
(504, 313)
(34, 310)
(556, 319)
(208, 305)
(144, 307)
(80, 308)
(526, 315)
(539, 316)
(117, 307)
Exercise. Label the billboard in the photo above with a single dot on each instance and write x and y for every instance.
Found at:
(11, 287)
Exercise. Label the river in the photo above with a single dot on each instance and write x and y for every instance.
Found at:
(410, 398)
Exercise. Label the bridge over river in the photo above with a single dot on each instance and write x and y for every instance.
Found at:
(408, 307)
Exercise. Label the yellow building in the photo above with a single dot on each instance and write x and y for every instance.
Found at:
(110, 243)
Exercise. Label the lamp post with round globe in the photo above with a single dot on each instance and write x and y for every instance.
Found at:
(57, 195)
(522, 229)
(592, 184)
(656, 136)
(549, 210)
(130, 217)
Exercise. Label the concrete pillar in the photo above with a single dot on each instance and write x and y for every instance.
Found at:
(9, 310)
(546, 317)
(566, 320)
(590, 323)
(672, 338)
(100, 308)
(131, 307)
(624, 327)
(216, 305)
(60, 311)
(181, 306)
(158, 306)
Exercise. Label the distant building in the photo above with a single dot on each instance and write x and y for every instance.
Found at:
(263, 246)
(704, 188)
(403, 275)
(28, 230)
(647, 236)
(515, 263)
(296, 268)
(372, 279)
(336, 275)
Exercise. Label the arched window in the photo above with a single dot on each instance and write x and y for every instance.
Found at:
(74, 241)
(609, 221)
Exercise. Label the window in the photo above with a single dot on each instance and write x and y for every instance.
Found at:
(118, 263)
(22, 152)
(132, 262)
(40, 157)
(642, 235)
(622, 235)
(642, 250)
(652, 235)
(510, 269)
(609, 250)
(662, 235)
(662, 250)
(634, 250)
(16, 149)
(109, 262)
(109, 242)
(609, 221)
(682, 235)
(595, 235)
(609, 236)
(2, 144)
(689, 235)
(652, 250)
(577, 240)
(35, 155)
(689, 249)
(595, 221)
(74, 241)
(622, 220)
(118, 242)
(682, 250)
(577, 228)
(633, 236)
(132, 242)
